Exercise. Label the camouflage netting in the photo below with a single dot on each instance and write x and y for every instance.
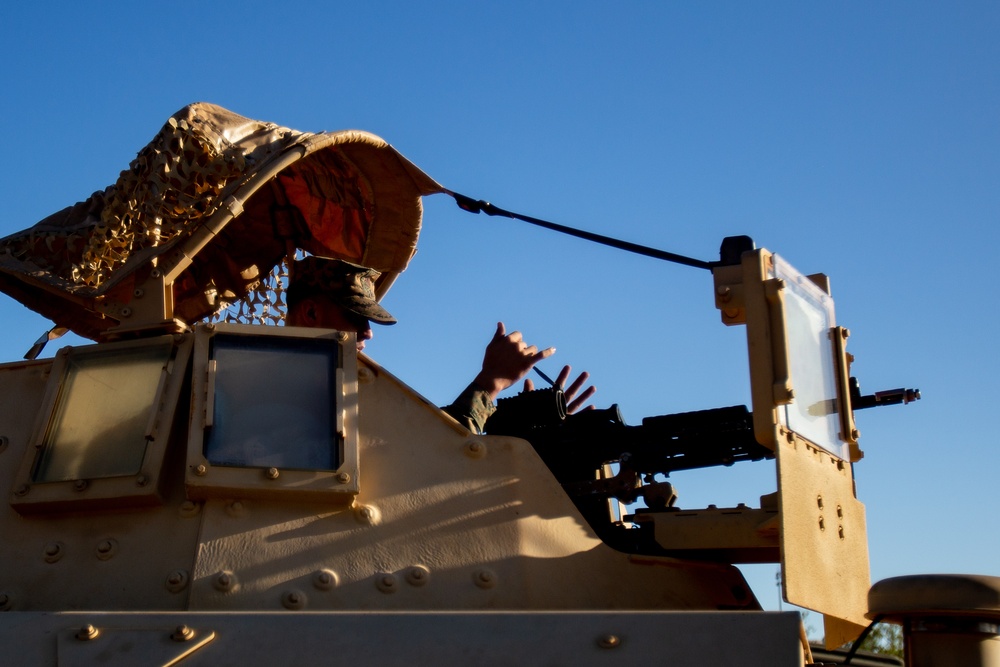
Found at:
(346, 194)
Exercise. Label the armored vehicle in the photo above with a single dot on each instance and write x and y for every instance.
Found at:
(206, 486)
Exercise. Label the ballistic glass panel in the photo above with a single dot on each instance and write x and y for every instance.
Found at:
(100, 422)
(275, 403)
(809, 323)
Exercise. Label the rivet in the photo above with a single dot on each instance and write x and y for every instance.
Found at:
(3, 442)
(342, 336)
(53, 552)
(326, 580)
(475, 449)
(138, 292)
(386, 583)
(293, 600)
(188, 509)
(418, 575)
(846, 333)
(22, 490)
(344, 477)
(6, 602)
(182, 634)
(141, 480)
(236, 508)
(87, 632)
(126, 312)
(201, 470)
(155, 273)
(609, 641)
(485, 578)
(106, 549)
(272, 473)
(367, 514)
(365, 375)
(80, 485)
(177, 581)
(225, 581)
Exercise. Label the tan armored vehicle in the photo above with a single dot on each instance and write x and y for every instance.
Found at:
(201, 489)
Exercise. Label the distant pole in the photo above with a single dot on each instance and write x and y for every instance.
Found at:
(777, 582)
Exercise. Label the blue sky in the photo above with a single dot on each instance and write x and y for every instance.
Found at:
(856, 139)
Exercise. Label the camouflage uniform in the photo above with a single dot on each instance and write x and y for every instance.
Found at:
(472, 408)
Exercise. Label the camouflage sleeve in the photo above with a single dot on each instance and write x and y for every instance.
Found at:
(472, 408)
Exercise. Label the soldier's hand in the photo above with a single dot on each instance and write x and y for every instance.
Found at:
(508, 359)
(572, 404)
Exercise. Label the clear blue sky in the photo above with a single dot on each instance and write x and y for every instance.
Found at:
(861, 140)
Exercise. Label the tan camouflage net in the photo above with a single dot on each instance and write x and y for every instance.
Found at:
(265, 304)
(171, 185)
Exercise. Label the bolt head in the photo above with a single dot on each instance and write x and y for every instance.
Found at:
(609, 641)
(272, 473)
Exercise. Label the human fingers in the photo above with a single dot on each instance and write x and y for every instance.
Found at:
(563, 376)
(575, 404)
(529, 385)
(500, 332)
(543, 354)
(577, 383)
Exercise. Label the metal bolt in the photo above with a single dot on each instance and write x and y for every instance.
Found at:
(138, 292)
(272, 473)
(609, 641)
(344, 477)
(155, 273)
(225, 581)
(80, 485)
(475, 449)
(386, 583)
(53, 552)
(22, 490)
(485, 579)
(325, 580)
(188, 509)
(87, 632)
(294, 600)
(107, 548)
(177, 581)
(236, 508)
(846, 333)
(141, 480)
(418, 575)
(855, 434)
(182, 634)
(201, 470)
(5, 602)
(365, 375)
(126, 312)
(342, 336)
(367, 514)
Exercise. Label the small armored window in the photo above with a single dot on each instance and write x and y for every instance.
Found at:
(274, 413)
(103, 426)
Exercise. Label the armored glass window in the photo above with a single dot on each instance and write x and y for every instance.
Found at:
(103, 425)
(274, 414)
(274, 403)
(809, 323)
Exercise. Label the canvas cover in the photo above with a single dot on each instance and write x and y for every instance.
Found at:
(217, 201)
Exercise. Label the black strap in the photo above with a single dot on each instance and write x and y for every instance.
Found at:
(479, 206)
